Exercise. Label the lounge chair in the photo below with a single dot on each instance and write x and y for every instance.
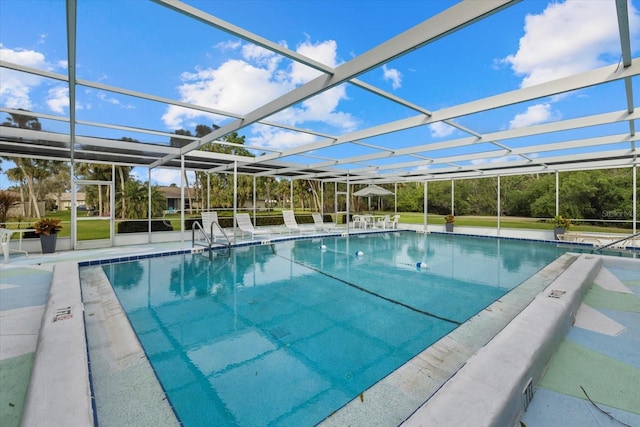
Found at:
(246, 226)
(292, 225)
(321, 225)
(214, 233)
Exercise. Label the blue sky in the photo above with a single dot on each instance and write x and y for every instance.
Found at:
(143, 46)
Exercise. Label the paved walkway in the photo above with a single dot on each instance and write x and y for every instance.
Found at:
(594, 378)
(24, 291)
(23, 294)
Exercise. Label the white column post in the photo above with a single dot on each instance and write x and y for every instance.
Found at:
(499, 205)
(425, 207)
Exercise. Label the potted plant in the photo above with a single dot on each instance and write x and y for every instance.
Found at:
(560, 225)
(47, 229)
(449, 220)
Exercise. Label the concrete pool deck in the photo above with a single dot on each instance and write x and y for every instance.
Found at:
(24, 286)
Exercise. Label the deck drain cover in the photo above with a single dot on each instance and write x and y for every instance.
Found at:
(555, 293)
(62, 314)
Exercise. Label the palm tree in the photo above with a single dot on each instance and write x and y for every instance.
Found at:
(7, 201)
(221, 186)
(15, 175)
(179, 142)
(135, 198)
(32, 170)
(97, 172)
(124, 175)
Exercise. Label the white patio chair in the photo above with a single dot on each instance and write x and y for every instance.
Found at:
(246, 226)
(292, 225)
(393, 223)
(5, 238)
(384, 222)
(321, 225)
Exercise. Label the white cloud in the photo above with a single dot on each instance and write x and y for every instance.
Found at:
(58, 99)
(277, 139)
(324, 52)
(441, 130)
(503, 159)
(393, 75)
(16, 87)
(535, 114)
(242, 84)
(164, 177)
(228, 45)
(104, 97)
(261, 56)
(568, 38)
(236, 86)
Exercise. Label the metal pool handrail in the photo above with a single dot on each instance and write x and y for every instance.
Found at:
(208, 237)
(615, 243)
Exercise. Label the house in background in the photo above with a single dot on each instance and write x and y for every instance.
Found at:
(172, 194)
(63, 200)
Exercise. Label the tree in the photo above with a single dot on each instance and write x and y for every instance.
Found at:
(221, 188)
(31, 171)
(15, 175)
(123, 174)
(266, 187)
(410, 197)
(22, 121)
(180, 142)
(7, 201)
(315, 191)
(135, 199)
(96, 196)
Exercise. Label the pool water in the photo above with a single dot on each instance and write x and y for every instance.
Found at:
(285, 334)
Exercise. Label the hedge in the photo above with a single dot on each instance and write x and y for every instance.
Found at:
(143, 226)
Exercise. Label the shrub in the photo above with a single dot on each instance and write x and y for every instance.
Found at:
(142, 226)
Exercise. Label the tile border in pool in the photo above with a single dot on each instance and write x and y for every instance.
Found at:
(103, 261)
(219, 248)
(526, 239)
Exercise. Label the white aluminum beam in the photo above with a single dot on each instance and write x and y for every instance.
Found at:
(450, 20)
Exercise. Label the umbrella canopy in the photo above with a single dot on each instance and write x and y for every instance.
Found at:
(373, 190)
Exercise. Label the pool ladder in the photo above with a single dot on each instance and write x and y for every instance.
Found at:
(210, 238)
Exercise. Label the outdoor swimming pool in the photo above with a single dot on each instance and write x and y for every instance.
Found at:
(286, 334)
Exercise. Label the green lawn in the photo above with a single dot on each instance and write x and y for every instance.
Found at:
(90, 229)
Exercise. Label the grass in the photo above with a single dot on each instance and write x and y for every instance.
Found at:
(93, 229)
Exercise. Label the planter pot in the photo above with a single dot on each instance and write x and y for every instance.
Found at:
(48, 243)
(556, 231)
(449, 227)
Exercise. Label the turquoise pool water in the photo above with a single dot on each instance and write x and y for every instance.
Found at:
(286, 334)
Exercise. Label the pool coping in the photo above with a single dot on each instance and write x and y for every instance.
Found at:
(59, 391)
